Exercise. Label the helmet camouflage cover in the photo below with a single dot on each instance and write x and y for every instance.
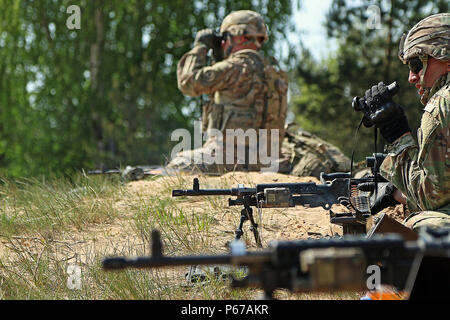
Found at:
(245, 22)
(431, 36)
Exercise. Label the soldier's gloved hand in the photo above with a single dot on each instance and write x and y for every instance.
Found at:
(385, 198)
(384, 113)
(205, 37)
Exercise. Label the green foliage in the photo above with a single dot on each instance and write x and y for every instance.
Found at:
(106, 93)
(365, 56)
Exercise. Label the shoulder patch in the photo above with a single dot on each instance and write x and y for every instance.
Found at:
(432, 104)
(439, 102)
(428, 125)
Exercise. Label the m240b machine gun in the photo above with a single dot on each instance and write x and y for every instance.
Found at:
(419, 268)
(335, 188)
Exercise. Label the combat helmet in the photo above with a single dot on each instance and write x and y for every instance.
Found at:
(429, 37)
(245, 23)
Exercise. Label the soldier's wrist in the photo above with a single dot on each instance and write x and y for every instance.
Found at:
(395, 129)
(406, 133)
(399, 196)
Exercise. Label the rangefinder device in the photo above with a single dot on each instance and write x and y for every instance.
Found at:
(217, 51)
(359, 103)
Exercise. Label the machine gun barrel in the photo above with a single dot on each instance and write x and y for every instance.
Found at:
(118, 263)
(299, 265)
(209, 192)
(212, 192)
(196, 191)
(92, 172)
(157, 259)
(155, 262)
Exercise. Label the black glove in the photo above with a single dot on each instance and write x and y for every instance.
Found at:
(384, 199)
(205, 37)
(211, 40)
(380, 110)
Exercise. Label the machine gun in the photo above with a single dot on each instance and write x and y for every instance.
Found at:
(419, 267)
(129, 174)
(335, 188)
(133, 173)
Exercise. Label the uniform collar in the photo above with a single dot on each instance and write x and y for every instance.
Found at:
(437, 85)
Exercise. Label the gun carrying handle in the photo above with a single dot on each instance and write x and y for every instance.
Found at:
(335, 175)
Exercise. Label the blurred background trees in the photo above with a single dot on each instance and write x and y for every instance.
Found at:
(106, 94)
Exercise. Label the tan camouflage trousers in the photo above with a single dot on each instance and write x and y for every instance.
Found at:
(434, 219)
(200, 160)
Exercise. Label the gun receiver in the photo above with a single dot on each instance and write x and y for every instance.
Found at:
(299, 265)
(279, 195)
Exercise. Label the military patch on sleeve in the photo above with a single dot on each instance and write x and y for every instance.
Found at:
(427, 127)
(432, 105)
(439, 104)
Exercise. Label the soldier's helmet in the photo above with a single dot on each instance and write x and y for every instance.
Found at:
(245, 23)
(431, 36)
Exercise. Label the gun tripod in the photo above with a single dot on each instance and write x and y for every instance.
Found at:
(247, 214)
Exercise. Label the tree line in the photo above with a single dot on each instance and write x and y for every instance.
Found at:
(106, 95)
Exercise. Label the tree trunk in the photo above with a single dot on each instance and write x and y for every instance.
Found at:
(389, 44)
(97, 87)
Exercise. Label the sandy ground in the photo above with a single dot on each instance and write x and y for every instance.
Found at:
(277, 224)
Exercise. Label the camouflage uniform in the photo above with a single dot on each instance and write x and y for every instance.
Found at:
(421, 171)
(238, 89)
(235, 85)
(302, 153)
(305, 154)
(247, 92)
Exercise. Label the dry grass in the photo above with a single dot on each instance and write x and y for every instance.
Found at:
(48, 227)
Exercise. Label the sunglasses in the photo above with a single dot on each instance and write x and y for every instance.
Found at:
(415, 65)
